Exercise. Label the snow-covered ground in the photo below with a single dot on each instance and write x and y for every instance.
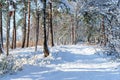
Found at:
(71, 62)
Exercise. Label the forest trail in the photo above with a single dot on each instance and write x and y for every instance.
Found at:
(76, 62)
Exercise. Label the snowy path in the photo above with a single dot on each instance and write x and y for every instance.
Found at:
(68, 63)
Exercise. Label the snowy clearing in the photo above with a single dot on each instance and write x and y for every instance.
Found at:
(71, 62)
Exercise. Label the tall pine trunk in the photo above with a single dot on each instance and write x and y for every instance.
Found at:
(72, 31)
(24, 31)
(8, 30)
(28, 31)
(1, 33)
(24, 26)
(14, 29)
(51, 26)
(37, 29)
(46, 51)
(103, 32)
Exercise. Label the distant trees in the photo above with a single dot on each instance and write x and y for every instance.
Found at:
(63, 22)
(107, 23)
(104, 37)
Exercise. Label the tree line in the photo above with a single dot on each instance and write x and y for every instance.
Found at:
(58, 22)
(10, 7)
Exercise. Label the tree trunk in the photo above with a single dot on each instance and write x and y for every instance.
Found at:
(37, 30)
(1, 33)
(8, 30)
(46, 51)
(14, 30)
(28, 32)
(48, 27)
(88, 37)
(51, 26)
(72, 31)
(103, 32)
(13, 33)
(24, 31)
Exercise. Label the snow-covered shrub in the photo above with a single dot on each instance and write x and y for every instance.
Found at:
(111, 21)
(8, 64)
(113, 33)
(114, 45)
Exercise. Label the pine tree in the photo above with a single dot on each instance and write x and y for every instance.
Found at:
(24, 26)
(1, 32)
(28, 31)
(46, 51)
(14, 28)
(51, 26)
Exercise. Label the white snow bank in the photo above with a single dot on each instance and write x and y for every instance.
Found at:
(71, 62)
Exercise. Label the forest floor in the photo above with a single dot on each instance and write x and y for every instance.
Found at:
(70, 62)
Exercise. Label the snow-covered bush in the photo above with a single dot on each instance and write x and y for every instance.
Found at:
(8, 64)
(113, 44)
(109, 10)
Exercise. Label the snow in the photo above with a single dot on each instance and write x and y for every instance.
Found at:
(70, 62)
